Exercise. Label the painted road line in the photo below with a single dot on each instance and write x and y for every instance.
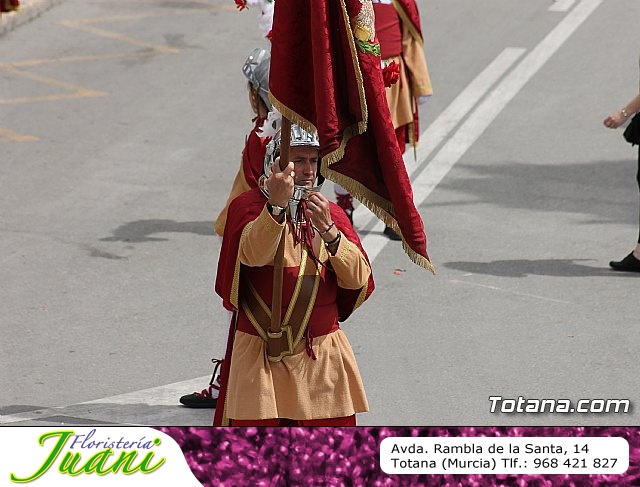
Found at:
(75, 90)
(461, 106)
(166, 395)
(11, 136)
(509, 291)
(109, 34)
(29, 63)
(561, 5)
(450, 117)
(475, 125)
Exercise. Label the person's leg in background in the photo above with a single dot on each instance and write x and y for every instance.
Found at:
(631, 263)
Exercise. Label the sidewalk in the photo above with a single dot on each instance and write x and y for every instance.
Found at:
(29, 10)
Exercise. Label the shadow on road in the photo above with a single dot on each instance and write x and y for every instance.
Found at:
(605, 189)
(541, 267)
(140, 230)
(89, 414)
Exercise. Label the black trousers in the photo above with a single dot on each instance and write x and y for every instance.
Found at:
(638, 180)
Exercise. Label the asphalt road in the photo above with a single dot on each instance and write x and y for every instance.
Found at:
(121, 126)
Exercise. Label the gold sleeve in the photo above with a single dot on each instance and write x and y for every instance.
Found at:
(352, 269)
(239, 186)
(414, 58)
(260, 239)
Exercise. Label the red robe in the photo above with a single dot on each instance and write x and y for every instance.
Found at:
(400, 35)
(250, 170)
(244, 209)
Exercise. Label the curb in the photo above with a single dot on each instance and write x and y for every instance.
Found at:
(28, 11)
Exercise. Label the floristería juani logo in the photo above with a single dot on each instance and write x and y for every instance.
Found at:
(84, 455)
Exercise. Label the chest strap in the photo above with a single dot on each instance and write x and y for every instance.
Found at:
(284, 342)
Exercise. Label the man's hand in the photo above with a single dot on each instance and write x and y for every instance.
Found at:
(318, 211)
(280, 184)
(320, 215)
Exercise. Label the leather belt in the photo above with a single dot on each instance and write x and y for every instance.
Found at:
(284, 342)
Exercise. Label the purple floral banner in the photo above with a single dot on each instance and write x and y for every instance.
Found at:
(350, 457)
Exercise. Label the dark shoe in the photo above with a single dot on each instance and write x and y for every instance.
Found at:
(206, 398)
(628, 264)
(392, 234)
(199, 400)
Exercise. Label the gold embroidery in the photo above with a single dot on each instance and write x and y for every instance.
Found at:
(364, 24)
(361, 296)
(346, 248)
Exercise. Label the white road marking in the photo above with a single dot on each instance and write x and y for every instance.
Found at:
(438, 131)
(561, 5)
(480, 119)
(166, 395)
(495, 288)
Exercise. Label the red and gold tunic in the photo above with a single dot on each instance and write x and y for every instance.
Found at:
(299, 386)
(399, 33)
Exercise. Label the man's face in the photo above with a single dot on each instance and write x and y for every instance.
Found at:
(305, 164)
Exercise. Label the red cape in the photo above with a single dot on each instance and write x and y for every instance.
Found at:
(253, 154)
(326, 76)
(244, 209)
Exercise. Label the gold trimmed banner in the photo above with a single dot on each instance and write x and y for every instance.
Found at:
(319, 78)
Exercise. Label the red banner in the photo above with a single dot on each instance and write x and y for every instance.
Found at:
(326, 76)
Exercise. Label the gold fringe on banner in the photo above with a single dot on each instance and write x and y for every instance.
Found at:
(379, 206)
(294, 117)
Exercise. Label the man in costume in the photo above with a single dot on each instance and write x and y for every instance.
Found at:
(256, 70)
(400, 36)
(287, 232)
(407, 80)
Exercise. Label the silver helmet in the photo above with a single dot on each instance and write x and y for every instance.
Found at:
(256, 70)
(299, 137)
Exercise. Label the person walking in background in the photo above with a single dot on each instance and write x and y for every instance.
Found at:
(631, 263)
(256, 70)
(407, 79)
(400, 36)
